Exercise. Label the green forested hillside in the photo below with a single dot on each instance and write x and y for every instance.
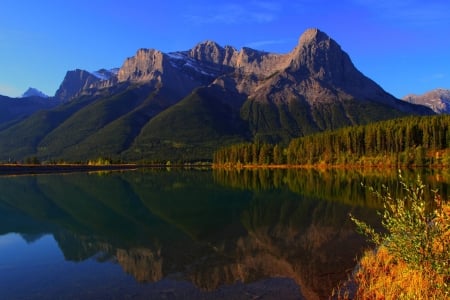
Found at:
(13, 110)
(22, 139)
(272, 122)
(408, 141)
(145, 124)
(117, 136)
(86, 122)
(189, 130)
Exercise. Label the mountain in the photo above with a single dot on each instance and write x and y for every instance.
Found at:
(184, 105)
(77, 81)
(438, 100)
(32, 92)
(15, 110)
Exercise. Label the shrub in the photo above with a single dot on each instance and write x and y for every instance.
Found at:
(381, 275)
(417, 238)
(32, 160)
(99, 162)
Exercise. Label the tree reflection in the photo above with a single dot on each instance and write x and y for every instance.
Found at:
(210, 228)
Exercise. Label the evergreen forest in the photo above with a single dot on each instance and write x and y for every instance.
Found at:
(410, 141)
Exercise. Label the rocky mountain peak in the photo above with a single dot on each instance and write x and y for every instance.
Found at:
(74, 82)
(142, 66)
(209, 52)
(32, 92)
(313, 35)
(438, 100)
(319, 57)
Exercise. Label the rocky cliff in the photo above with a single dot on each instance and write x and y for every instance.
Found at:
(317, 68)
(74, 82)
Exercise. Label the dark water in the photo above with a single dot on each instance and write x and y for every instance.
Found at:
(176, 234)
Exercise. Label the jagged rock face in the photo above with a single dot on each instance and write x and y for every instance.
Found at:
(74, 82)
(320, 57)
(245, 61)
(320, 70)
(260, 63)
(207, 59)
(210, 52)
(176, 72)
(438, 100)
(317, 69)
(146, 65)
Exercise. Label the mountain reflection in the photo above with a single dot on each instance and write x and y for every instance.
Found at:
(211, 228)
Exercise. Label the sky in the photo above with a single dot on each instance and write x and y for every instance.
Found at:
(403, 45)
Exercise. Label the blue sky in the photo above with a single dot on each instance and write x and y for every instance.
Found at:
(404, 45)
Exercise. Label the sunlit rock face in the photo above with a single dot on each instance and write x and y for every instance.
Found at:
(316, 68)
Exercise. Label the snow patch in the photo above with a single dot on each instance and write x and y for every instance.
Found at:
(177, 56)
(180, 60)
(104, 74)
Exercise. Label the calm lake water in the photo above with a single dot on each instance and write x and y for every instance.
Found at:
(158, 234)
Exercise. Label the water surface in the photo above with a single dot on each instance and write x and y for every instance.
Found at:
(280, 234)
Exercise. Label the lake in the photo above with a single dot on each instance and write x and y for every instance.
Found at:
(187, 234)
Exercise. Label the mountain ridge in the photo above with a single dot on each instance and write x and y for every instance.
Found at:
(183, 105)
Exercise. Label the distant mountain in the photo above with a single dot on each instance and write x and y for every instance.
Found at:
(15, 110)
(32, 92)
(184, 105)
(438, 100)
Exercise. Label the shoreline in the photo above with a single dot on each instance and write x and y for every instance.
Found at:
(322, 166)
(29, 169)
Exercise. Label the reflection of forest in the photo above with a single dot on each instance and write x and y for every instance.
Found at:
(210, 228)
(338, 185)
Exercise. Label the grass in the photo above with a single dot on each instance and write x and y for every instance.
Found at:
(412, 259)
(382, 275)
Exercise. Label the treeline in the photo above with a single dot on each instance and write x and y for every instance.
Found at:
(411, 141)
(337, 185)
